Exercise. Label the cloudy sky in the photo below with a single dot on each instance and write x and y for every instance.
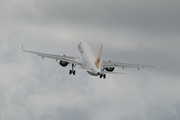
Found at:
(143, 32)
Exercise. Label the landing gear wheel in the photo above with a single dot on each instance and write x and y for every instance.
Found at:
(74, 72)
(70, 71)
(101, 76)
(104, 76)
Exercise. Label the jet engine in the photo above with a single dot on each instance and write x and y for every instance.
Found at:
(110, 69)
(63, 63)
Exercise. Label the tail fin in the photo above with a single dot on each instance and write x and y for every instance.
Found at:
(97, 62)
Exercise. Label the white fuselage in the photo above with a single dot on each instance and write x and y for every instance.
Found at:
(88, 57)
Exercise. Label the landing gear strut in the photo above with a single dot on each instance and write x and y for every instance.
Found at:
(72, 71)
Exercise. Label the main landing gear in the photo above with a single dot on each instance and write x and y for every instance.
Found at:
(72, 71)
(102, 76)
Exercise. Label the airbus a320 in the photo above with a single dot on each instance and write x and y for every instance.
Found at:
(89, 61)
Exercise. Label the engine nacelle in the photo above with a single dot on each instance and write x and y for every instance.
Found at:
(110, 69)
(63, 63)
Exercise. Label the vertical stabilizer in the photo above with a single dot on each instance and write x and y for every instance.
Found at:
(97, 62)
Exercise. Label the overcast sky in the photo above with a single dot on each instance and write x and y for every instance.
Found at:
(133, 31)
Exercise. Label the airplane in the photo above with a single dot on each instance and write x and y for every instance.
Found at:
(89, 61)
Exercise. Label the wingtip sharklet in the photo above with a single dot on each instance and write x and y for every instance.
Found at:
(22, 46)
(162, 64)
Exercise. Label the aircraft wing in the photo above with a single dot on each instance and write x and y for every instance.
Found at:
(69, 59)
(106, 64)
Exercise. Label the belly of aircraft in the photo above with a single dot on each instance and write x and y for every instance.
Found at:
(92, 73)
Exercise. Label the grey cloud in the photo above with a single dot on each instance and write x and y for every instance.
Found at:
(132, 31)
(150, 16)
(69, 114)
(155, 16)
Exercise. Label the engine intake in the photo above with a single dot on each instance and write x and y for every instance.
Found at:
(110, 69)
(63, 63)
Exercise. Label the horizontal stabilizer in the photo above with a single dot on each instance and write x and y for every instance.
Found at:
(112, 72)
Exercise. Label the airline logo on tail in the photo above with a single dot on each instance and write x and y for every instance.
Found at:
(97, 62)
